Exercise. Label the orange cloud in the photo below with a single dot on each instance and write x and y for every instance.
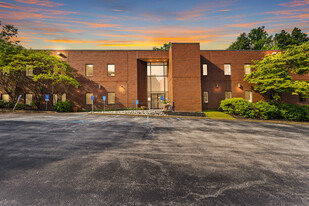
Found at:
(249, 24)
(94, 25)
(40, 3)
(295, 3)
(53, 30)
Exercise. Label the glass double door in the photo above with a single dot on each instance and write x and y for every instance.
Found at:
(156, 102)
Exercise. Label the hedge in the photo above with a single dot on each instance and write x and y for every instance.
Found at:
(265, 110)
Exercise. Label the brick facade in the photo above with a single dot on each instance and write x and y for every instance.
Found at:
(185, 78)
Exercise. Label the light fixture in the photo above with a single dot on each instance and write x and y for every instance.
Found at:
(59, 53)
(100, 86)
(217, 85)
(239, 85)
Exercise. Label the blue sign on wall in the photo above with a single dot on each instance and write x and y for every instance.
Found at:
(104, 98)
(136, 102)
(92, 97)
(162, 98)
(47, 97)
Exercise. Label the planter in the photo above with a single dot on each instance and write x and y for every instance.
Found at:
(166, 107)
(75, 109)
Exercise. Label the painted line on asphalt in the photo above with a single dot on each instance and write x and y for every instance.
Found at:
(147, 122)
(185, 123)
(109, 119)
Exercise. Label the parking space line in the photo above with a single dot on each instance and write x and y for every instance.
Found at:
(184, 122)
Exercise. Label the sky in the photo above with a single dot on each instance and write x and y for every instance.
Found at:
(142, 24)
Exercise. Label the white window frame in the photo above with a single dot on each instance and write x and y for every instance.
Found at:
(227, 69)
(88, 73)
(64, 97)
(112, 68)
(6, 97)
(228, 95)
(108, 98)
(28, 99)
(247, 68)
(250, 95)
(55, 99)
(205, 97)
(29, 71)
(205, 70)
(88, 98)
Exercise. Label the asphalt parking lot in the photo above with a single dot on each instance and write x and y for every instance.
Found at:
(81, 159)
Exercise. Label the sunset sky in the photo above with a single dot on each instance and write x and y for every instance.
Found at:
(142, 24)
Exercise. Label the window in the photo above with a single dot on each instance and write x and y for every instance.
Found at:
(110, 98)
(29, 71)
(205, 97)
(89, 70)
(205, 72)
(248, 96)
(6, 71)
(227, 69)
(5, 97)
(55, 99)
(228, 95)
(28, 99)
(64, 97)
(247, 68)
(302, 98)
(88, 98)
(111, 70)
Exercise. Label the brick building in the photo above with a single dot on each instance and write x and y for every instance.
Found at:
(193, 79)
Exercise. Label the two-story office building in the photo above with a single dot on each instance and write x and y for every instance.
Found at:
(193, 79)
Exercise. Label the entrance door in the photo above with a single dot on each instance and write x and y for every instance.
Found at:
(156, 100)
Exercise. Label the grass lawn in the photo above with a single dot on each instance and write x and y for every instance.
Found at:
(217, 114)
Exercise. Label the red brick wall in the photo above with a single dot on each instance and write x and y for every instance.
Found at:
(185, 76)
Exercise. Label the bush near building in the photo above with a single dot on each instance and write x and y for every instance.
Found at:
(61, 106)
(265, 110)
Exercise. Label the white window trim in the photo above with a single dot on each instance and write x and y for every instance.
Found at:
(229, 73)
(205, 70)
(108, 98)
(112, 67)
(86, 72)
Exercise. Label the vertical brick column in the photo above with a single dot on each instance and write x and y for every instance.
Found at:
(185, 76)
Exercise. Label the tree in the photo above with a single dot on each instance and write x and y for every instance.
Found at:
(284, 40)
(165, 46)
(50, 74)
(242, 43)
(257, 39)
(275, 73)
(9, 78)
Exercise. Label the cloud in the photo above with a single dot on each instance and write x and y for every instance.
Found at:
(291, 13)
(94, 25)
(40, 3)
(249, 24)
(295, 3)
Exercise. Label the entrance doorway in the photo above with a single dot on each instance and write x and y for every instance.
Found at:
(156, 102)
(157, 84)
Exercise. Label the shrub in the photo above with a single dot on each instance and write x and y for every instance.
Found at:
(20, 106)
(266, 110)
(61, 106)
(293, 112)
(2, 104)
(238, 106)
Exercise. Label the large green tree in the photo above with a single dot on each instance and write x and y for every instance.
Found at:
(284, 40)
(257, 39)
(165, 46)
(50, 74)
(10, 79)
(274, 74)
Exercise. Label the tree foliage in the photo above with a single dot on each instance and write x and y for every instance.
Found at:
(258, 39)
(275, 73)
(50, 74)
(165, 46)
